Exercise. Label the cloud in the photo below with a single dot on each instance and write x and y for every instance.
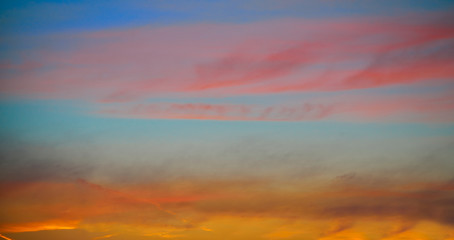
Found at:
(339, 226)
(123, 72)
(241, 69)
(429, 108)
(52, 205)
(221, 112)
(40, 226)
(105, 236)
(238, 59)
(7, 238)
(143, 209)
(416, 205)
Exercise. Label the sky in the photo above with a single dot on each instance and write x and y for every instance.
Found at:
(258, 120)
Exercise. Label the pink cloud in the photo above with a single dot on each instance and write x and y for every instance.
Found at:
(431, 108)
(231, 59)
(120, 69)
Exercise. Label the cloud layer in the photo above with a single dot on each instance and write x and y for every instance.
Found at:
(203, 61)
(177, 208)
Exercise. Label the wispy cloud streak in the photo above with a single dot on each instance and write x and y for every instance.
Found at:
(124, 65)
(260, 59)
(429, 108)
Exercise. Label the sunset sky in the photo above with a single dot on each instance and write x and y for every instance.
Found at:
(235, 120)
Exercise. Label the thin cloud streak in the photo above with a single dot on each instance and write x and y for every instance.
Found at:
(436, 108)
(5, 237)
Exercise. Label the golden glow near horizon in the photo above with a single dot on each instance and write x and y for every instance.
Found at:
(238, 228)
(244, 210)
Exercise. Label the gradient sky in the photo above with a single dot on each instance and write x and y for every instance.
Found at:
(250, 119)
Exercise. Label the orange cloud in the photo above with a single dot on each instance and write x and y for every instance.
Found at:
(7, 238)
(340, 209)
(105, 236)
(48, 205)
(40, 226)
